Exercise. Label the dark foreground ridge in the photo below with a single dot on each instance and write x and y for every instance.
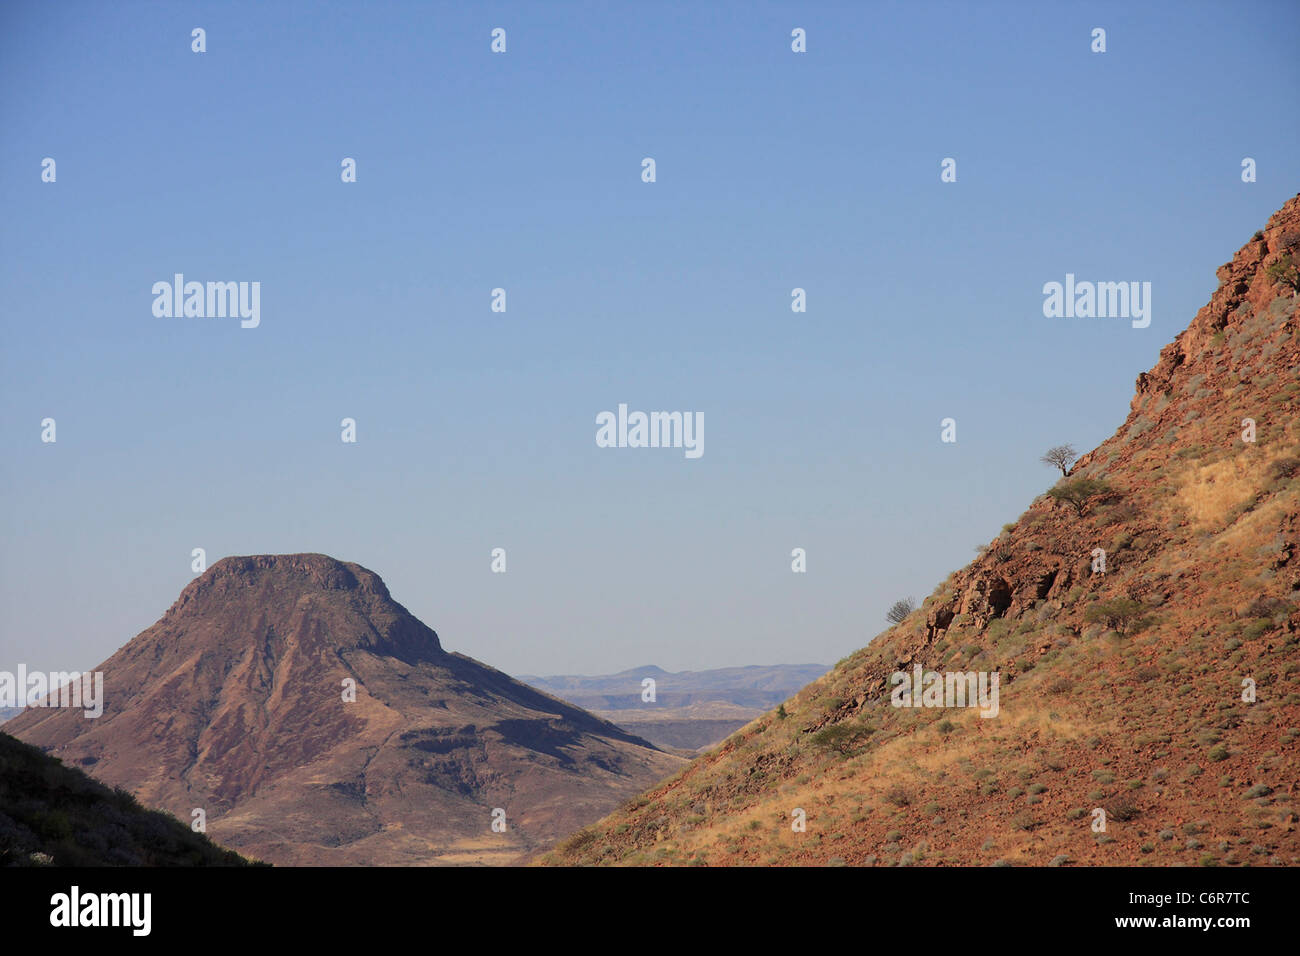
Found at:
(52, 815)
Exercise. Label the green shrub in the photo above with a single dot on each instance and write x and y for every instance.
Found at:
(1257, 628)
(1120, 614)
(1285, 272)
(840, 737)
(1078, 492)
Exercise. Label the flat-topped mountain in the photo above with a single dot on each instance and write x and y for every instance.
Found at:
(314, 720)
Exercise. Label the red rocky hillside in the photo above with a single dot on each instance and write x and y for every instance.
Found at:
(1163, 693)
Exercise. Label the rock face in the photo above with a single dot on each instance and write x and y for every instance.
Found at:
(1122, 690)
(233, 703)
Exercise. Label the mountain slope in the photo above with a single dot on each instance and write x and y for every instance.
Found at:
(234, 703)
(1121, 694)
(51, 815)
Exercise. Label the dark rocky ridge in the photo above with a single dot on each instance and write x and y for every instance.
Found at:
(51, 815)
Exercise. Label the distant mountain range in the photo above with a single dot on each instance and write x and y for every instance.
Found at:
(692, 710)
(314, 720)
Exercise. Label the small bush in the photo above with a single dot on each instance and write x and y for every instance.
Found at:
(1285, 272)
(1120, 512)
(1122, 810)
(898, 796)
(1079, 491)
(1121, 614)
(900, 610)
(1284, 468)
(1267, 607)
(839, 737)
(1257, 629)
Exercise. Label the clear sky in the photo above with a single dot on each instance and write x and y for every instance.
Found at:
(476, 429)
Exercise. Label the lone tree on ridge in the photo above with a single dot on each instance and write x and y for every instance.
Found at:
(1062, 457)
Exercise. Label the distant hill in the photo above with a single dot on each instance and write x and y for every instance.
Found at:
(8, 713)
(692, 709)
(1147, 711)
(234, 702)
(54, 815)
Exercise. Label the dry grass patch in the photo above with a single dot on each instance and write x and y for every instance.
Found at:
(1210, 494)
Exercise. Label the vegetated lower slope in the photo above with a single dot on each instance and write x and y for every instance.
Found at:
(1120, 692)
(314, 720)
(691, 710)
(52, 815)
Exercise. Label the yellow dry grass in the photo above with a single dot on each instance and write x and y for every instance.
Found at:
(1256, 526)
(1210, 493)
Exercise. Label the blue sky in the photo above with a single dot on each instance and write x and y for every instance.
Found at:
(522, 170)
